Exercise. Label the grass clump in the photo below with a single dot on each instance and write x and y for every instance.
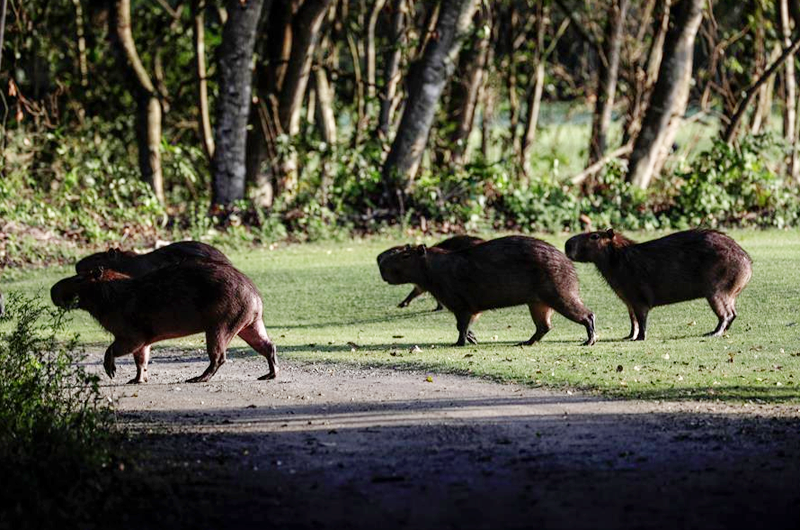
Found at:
(54, 425)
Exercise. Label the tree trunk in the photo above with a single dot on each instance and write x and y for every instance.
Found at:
(511, 78)
(535, 98)
(206, 133)
(428, 79)
(789, 92)
(465, 90)
(325, 114)
(645, 74)
(607, 78)
(373, 21)
(391, 71)
(148, 115)
(234, 101)
(670, 95)
(305, 35)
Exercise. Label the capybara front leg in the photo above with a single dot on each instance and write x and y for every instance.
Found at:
(641, 317)
(118, 348)
(415, 292)
(541, 314)
(725, 315)
(216, 344)
(256, 336)
(463, 322)
(634, 325)
(141, 357)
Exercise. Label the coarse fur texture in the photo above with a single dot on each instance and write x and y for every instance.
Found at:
(135, 265)
(503, 272)
(679, 267)
(451, 244)
(168, 303)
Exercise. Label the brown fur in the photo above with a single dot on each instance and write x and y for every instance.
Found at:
(169, 303)
(136, 265)
(679, 267)
(452, 244)
(504, 272)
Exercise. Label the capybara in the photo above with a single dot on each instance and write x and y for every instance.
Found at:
(503, 272)
(168, 303)
(134, 264)
(451, 244)
(675, 268)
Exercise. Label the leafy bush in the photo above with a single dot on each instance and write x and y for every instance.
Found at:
(54, 426)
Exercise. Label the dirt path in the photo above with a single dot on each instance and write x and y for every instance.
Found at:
(327, 446)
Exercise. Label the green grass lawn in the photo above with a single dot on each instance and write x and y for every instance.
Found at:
(320, 297)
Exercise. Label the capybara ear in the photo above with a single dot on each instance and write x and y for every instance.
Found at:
(113, 253)
(96, 273)
(422, 250)
(610, 233)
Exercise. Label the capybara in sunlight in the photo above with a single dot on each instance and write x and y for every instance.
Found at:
(451, 244)
(675, 268)
(134, 264)
(168, 303)
(503, 272)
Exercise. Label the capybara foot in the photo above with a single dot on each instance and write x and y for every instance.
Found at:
(714, 333)
(471, 338)
(590, 341)
(136, 381)
(271, 375)
(199, 379)
(402, 304)
(109, 364)
(437, 308)
(527, 342)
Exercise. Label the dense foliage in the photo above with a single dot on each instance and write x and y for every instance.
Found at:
(54, 425)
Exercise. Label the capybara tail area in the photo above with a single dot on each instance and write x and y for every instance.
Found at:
(256, 336)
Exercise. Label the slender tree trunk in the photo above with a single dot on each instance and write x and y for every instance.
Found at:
(199, 37)
(373, 21)
(465, 90)
(148, 106)
(325, 113)
(789, 92)
(646, 73)
(81, 37)
(234, 101)
(670, 95)
(392, 73)
(535, 98)
(3, 8)
(511, 78)
(607, 78)
(428, 79)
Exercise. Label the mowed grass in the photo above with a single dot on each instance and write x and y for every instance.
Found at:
(327, 302)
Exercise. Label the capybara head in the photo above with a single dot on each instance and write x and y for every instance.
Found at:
(594, 246)
(107, 260)
(66, 293)
(402, 264)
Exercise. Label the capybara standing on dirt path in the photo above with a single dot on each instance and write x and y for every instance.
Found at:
(679, 267)
(135, 265)
(503, 272)
(451, 244)
(169, 303)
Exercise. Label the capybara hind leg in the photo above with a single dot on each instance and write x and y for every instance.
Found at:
(463, 322)
(415, 292)
(732, 316)
(573, 309)
(725, 314)
(141, 357)
(256, 336)
(541, 314)
(634, 325)
(216, 345)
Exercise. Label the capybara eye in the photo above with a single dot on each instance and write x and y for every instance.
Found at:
(594, 237)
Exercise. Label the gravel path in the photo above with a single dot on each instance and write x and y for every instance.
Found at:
(330, 446)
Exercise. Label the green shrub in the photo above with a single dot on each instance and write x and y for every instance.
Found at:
(54, 426)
